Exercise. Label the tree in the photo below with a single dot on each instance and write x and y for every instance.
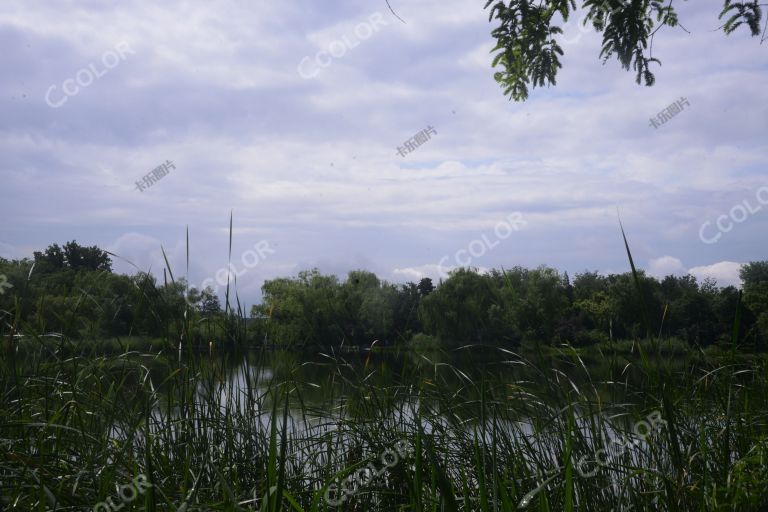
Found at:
(690, 309)
(544, 302)
(209, 302)
(425, 286)
(308, 309)
(601, 309)
(377, 314)
(406, 320)
(73, 256)
(528, 51)
(88, 258)
(754, 275)
(458, 310)
(370, 306)
(638, 312)
(51, 260)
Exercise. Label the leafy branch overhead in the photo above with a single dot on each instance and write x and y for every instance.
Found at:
(528, 53)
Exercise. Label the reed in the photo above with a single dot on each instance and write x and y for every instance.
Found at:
(74, 428)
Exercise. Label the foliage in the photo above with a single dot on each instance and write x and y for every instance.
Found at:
(528, 50)
(755, 278)
(73, 256)
(506, 307)
(73, 291)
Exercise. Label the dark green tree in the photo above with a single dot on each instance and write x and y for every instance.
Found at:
(51, 260)
(209, 302)
(458, 310)
(425, 286)
(754, 277)
(73, 256)
(528, 50)
(88, 258)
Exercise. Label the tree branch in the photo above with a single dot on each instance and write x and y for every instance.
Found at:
(393, 11)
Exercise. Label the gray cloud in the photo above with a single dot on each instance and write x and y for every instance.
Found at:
(311, 165)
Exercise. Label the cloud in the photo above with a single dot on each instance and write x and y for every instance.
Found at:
(414, 274)
(312, 165)
(434, 272)
(665, 266)
(725, 272)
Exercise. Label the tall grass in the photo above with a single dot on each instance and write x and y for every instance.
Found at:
(73, 428)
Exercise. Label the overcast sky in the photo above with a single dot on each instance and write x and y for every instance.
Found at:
(94, 95)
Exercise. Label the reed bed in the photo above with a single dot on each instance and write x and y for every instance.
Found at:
(74, 429)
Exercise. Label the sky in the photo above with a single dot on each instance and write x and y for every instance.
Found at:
(293, 117)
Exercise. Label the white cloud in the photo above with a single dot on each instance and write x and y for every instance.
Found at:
(413, 274)
(725, 272)
(665, 266)
(434, 272)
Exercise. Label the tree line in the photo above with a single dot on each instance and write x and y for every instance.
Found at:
(510, 307)
(72, 290)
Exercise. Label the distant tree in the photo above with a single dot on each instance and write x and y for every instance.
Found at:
(545, 301)
(68, 290)
(308, 309)
(601, 310)
(377, 314)
(209, 302)
(406, 321)
(283, 311)
(587, 284)
(458, 310)
(689, 312)
(73, 256)
(633, 307)
(754, 276)
(362, 279)
(51, 260)
(88, 258)
(370, 306)
(528, 51)
(425, 286)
